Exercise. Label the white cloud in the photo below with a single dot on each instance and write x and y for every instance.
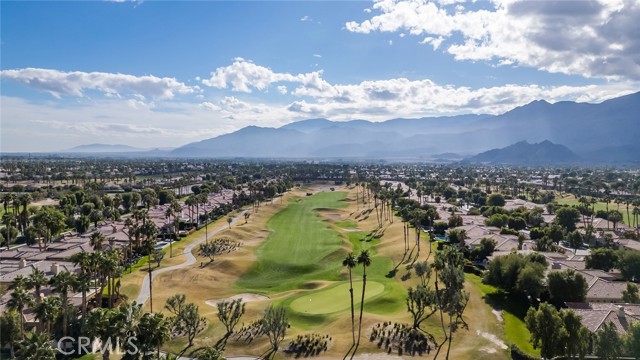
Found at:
(317, 55)
(306, 18)
(243, 76)
(76, 83)
(383, 99)
(210, 106)
(555, 36)
(282, 89)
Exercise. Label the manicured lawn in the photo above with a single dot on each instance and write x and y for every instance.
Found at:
(603, 206)
(513, 313)
(335, 298)
(300, 248)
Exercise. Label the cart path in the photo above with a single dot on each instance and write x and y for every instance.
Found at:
(190, 260)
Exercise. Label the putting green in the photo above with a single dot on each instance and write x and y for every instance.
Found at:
(335, 298)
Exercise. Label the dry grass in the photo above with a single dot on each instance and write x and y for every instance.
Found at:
(217, 281)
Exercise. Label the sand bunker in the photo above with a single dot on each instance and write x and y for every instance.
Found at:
(246, 297)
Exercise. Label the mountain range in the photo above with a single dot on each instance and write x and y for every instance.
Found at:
(524, 153)
(608, 131)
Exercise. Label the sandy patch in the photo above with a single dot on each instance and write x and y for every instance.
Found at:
(45, 202)
(330, 215)
(494, 339)
(498, 314)
(489, 350)
(246, 297)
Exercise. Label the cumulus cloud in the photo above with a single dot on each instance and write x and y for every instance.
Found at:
(243, 76)
(382, 99)
(592, 38)
(76, 83)
(306, 18)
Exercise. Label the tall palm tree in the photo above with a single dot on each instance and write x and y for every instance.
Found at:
(365, 260)
(103, 324)
(47, 312)
(350, 262)
(36, 346)
(64, 282)
(83, 285)
(18, 301)
(36, 280)
(9, 221)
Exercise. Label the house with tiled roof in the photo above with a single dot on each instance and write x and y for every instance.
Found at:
(594, 315)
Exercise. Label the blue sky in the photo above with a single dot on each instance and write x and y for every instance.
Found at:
(162, 74)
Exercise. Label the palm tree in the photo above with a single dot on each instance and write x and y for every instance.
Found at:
(9, 221)
(96, 240)
(103, 324)
(62, 283)
(83, 284)
(18, 301)
(36, 346)
(47, 311)
(36, 280)
(365, 260)
(350, 262)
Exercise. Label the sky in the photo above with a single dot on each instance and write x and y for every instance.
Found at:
(161, 74)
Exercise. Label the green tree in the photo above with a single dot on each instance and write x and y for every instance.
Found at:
(578, 335)
(630, 294)
(350, 262)
(18, 301)
(47, 311)
(63, 282)
(36, 346)
(10, 330)
(547, 330)
(50, 222)
(421, 304)
(566, 286)
(36, 280)
(530, 280)
(567, 217)
(365, 260)
(229, 314)
(451, 298)
(601, 258)
(629, 264)
(151, 332)
(496, 200)
(632, 340)
(210, 353)
(275, 325)
(607, 344)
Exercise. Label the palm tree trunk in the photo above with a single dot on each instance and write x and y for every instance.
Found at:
(353, 318)
(364, 285)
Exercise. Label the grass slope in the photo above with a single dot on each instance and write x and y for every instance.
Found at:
(301, 247)
(513, 313)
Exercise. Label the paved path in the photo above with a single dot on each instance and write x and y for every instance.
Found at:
(190, 260)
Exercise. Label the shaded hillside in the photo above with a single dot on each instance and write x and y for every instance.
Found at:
(524, 153)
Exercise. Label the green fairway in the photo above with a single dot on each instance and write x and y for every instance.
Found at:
(300, 248)
(603, 206)
(334, 298)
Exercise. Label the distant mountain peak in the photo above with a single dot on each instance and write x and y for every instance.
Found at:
(524, 153)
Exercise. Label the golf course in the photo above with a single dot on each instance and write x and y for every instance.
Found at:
(292, 256)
